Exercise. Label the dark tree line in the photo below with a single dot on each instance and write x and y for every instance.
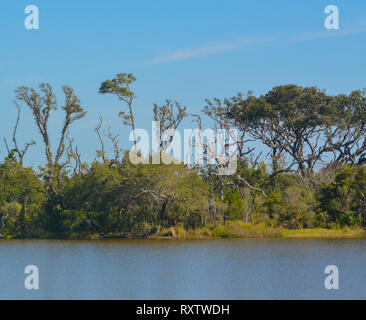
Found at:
(301, 157)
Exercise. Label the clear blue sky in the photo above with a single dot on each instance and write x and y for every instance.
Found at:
(186, 51)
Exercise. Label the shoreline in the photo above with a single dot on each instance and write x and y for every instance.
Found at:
(233, 230)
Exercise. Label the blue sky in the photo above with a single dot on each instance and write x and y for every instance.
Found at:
(185, 51)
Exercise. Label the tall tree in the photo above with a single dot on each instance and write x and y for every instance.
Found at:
(288, 119)
(169, 115)
(347, 135)
(41, 105)
(216, 110)
(120, 86)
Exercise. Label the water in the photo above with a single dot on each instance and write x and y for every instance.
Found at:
(183, 269)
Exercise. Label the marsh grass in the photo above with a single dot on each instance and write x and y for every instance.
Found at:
(325, 233)
(239, 229)
(229, 230)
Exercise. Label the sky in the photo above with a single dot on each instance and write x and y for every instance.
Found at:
(181, 50)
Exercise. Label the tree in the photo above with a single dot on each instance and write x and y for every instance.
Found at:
(120, 86)
(20, 152)
(289, 120)
(171, 193)
(21, 198)
(217, 110)
(169, 116)
(41, 105)
(344, 199)
(346, 138)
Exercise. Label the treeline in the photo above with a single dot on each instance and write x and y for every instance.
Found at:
(301, 164)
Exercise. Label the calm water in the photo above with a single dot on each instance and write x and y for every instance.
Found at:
(200, 269)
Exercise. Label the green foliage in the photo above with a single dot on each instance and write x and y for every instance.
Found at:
(21, 198)
(120, 86)
(117, 198)
(344, 198)
(235, 205)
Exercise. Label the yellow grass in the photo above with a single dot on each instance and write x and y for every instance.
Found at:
(238, 229)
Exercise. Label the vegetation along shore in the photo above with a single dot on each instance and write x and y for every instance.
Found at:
(301, 170)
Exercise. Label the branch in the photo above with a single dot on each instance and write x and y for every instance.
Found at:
(251, 187)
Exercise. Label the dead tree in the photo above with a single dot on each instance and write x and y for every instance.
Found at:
(169, 116)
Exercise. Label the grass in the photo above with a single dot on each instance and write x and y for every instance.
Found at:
(238, 229)
(230, 230)
(325, 233)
